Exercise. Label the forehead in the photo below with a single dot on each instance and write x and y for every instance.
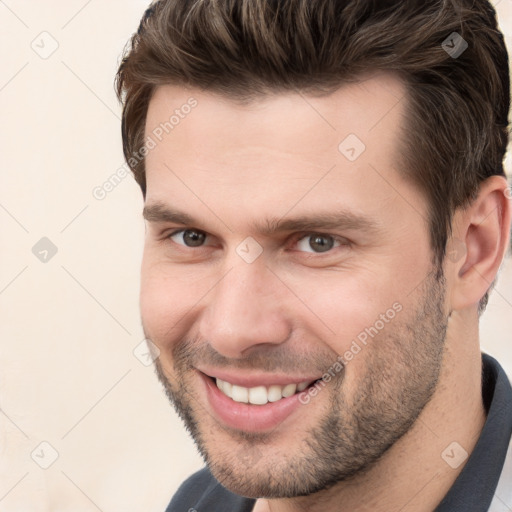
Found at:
(372, 104)
(275, 150)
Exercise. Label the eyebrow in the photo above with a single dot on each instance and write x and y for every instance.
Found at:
(320, 221)
(159, 212)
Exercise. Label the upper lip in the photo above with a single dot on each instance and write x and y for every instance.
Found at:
(254, 379)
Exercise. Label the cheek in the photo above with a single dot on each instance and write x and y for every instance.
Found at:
(171, 298)
(340, 308)
(165, 301)
(370, 298)
(364, 335)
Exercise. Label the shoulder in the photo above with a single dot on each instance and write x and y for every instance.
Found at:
(191, 491)
(202, 491)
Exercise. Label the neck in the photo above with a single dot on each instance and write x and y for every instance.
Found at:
(418, 471)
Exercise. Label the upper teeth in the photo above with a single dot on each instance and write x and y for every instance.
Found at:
(259, 395)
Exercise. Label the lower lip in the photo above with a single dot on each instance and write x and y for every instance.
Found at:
(248, 417)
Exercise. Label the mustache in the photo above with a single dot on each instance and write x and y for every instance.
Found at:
(189, 353)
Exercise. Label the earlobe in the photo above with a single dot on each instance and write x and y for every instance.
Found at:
(483, 229)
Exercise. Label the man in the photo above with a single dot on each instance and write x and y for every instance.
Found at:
(326, 212)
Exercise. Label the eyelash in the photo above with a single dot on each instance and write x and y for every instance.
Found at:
(341, 241)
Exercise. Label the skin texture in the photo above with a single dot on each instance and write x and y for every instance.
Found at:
(372, 438)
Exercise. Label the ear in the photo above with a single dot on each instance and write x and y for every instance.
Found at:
(479, 242)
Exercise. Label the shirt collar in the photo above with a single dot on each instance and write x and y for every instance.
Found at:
(476, 485)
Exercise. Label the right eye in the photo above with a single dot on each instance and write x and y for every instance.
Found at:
(189, 237)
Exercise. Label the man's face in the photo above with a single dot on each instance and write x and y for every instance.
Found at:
(280, 251)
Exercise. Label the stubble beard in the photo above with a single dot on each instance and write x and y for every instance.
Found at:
(401, 374)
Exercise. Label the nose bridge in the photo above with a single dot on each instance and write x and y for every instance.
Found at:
(244, 310)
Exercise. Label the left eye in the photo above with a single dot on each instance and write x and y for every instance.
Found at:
(189, 237)
(317, 243)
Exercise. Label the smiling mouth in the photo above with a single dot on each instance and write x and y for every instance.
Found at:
(260, 395)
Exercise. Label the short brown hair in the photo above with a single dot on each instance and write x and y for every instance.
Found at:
(457, 122)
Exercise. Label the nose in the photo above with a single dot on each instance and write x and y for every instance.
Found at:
(244, 310)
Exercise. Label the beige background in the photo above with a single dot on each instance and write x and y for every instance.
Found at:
(69, 377)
